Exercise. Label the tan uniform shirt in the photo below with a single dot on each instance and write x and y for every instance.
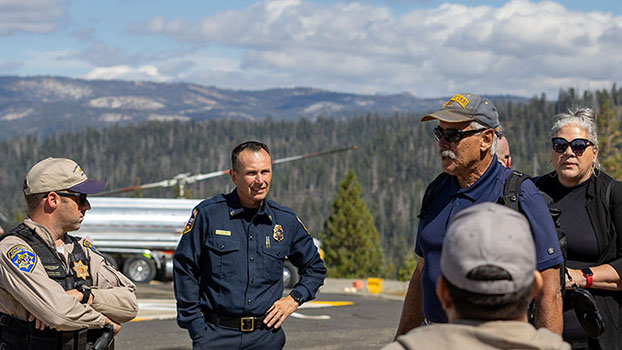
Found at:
(26, 289)
(471, 335)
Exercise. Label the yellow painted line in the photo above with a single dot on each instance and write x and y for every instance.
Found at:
(332, 303)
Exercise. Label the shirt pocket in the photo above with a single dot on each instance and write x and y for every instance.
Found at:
(274, 259)
(223, 255)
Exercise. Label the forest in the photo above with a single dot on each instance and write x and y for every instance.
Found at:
(395, 160)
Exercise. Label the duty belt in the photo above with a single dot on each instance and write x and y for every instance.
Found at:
(244, 324)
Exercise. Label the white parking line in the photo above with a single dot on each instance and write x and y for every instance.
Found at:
(166, 309)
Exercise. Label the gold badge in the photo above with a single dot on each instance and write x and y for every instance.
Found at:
(82, 271)
(277, 233)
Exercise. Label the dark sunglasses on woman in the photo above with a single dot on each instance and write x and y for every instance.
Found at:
(577, 146)
(453, 135)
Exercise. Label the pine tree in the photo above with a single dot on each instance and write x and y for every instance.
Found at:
(350, 240)
(610, 144)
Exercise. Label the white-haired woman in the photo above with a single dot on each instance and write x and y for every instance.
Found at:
(591, 204)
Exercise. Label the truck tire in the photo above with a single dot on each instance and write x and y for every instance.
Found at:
(139, 269)
(290, 275)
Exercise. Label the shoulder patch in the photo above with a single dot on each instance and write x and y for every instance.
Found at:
(190, 223)
(303, 225)
(23, 257)
(90, 245)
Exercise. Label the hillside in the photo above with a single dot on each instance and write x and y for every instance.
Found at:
(49, 105)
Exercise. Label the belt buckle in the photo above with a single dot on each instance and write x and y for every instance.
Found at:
(247, 324)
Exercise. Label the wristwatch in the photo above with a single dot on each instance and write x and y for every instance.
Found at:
(296, 296)
(589, 275)
(86, 294)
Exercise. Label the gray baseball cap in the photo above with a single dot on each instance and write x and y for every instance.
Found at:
(55, 174)
(489, 234)
(467, 107)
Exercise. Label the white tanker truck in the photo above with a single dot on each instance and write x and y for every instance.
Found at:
(139, 235)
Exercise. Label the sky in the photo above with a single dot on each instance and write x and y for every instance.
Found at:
(424, 47)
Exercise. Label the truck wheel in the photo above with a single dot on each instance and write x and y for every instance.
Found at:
(139, 269)
(290, 275)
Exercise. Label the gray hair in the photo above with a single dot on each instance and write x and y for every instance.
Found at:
(495, 139)
(583, 117)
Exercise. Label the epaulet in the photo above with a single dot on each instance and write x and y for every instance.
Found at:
(19, 229)
(214, 200)
(276, 206)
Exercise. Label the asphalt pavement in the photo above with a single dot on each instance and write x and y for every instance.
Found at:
(339, 318)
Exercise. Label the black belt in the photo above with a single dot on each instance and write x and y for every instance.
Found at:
(244, 324)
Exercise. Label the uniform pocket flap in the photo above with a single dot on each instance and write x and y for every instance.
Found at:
(276, 252)
(222, 245)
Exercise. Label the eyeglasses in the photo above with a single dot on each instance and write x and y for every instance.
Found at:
(453, 135)
(578, 146)
(82, 197)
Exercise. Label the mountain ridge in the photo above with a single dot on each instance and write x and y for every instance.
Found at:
(44, 105)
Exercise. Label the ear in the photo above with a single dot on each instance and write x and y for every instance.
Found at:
(232, 174)
(537, 284)
(443, 293)
(487, 138)
(52, 201)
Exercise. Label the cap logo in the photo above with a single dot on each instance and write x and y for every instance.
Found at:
(78, 170)
(459, 99)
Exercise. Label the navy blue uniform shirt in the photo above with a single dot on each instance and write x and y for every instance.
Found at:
(231, 263)
(450, 199)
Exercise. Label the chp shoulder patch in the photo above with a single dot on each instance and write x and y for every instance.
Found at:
(23, 257)
(90, 245)
(303, 225)
(190, 223)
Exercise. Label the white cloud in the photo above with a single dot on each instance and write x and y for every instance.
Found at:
(35, 16)
(522, 47)
(126, 73)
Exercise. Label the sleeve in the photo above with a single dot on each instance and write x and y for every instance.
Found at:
(616, 216)
(186, 273)
(306, 257)
(114, 295)
(24, 277)
(534, 207)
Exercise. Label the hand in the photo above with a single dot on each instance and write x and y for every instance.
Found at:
(279, 311)
(38, 324)
(79, 295)
(576, 279)
(115, 326)
(76, 293)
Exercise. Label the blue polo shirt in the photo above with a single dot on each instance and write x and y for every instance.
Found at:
(449, 199)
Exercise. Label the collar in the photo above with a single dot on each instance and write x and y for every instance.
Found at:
(42, 232)
(482, 185)
(235, 207)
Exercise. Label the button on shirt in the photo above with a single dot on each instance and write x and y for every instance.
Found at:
(450, 199)
(230, 261)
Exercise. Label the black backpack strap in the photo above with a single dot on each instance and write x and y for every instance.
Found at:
(429, 194)
(511, 190)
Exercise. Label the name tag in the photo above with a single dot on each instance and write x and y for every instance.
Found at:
(223, 233)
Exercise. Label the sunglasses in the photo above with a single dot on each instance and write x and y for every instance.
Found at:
(578, 146)
(82, 197)
(453, 135)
